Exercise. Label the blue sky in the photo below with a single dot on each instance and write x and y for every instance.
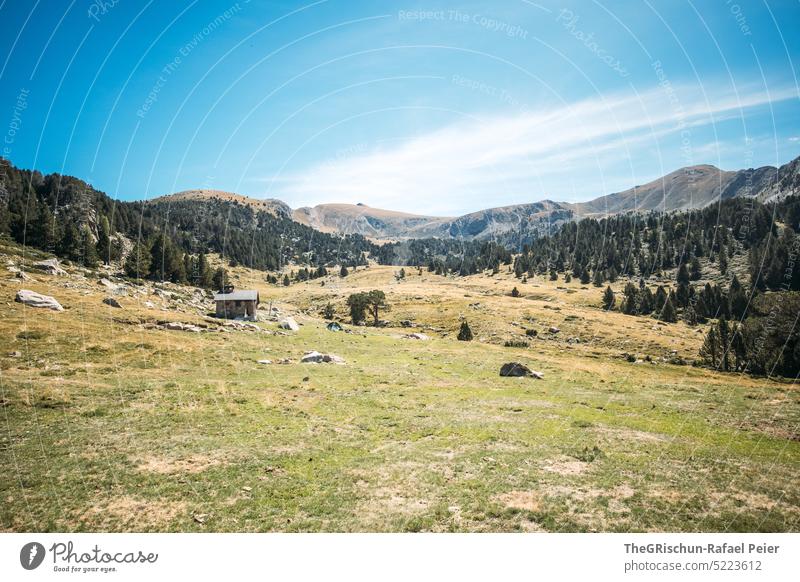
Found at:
(432, 107)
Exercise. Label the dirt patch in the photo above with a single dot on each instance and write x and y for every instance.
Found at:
(186, 465)
(395, 500)
(631, 434)
(132, 514)
(524, 500)
(565, 466)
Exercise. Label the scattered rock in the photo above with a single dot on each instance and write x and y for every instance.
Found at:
(149, 305)
(15, 355)
(333, 326)
(406, 323)
(33, 299)
(50, 266)
(284, 361)
(417, 336)
(107, 284)
(553, 329)
(264, 361)
(515, 369)
(318, 358)
(289, 323)
(200, 518)
(112, 302)
(180, 326)
(23, 276)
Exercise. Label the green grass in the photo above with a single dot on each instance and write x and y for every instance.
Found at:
(111, 427)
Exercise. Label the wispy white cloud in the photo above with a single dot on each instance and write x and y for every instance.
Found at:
(477, 163)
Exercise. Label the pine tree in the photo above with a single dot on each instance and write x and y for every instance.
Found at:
(465, 333)
(696, 272)
(205, 276)
(709, 352)
(286, 281)
(343, 271)
(358, 303)
(89, 256)
(608, 299)
(737, 299)
(220, 279)
(646, 301)
(690, 316)
(515, 292)
(630, 303)
(137, 263)
(668, 312)
(682, 275)
(104, 239)
(598, 278)
(724, 333)
(70, 244)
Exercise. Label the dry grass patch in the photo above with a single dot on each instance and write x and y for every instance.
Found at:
(522, 500)
(566, 466)
(132, 514)
(187, 465)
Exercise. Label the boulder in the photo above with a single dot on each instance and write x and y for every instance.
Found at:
(50, 266)
(554, 329)
(264, 361)
(416, 336)
(318, 358)
(33, 299)
(515, 369)
(23, 276)
(333, 326)
(106, 283)
(112, 302)
(289, 323)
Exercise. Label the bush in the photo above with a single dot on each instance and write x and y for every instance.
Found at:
(515, 292)
(516, 343)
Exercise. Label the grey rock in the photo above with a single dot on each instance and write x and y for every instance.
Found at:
(50, 266)
(112, 302)
(515, 369)
(289, 323)
(33, 299)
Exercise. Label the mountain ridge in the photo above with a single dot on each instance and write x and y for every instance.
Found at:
(686, 188)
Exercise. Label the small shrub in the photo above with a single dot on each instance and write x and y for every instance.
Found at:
(588, 455)
(516, 343)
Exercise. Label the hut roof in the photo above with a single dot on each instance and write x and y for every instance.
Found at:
(240, 295)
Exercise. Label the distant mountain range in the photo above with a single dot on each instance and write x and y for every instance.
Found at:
(687, 188)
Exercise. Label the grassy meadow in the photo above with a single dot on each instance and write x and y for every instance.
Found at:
(110, 424)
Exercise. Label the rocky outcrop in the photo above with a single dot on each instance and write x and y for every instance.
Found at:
(33, 299)
(289, 323)
(318, 358)
(51, 267)
(515, 369)
(110, 301)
